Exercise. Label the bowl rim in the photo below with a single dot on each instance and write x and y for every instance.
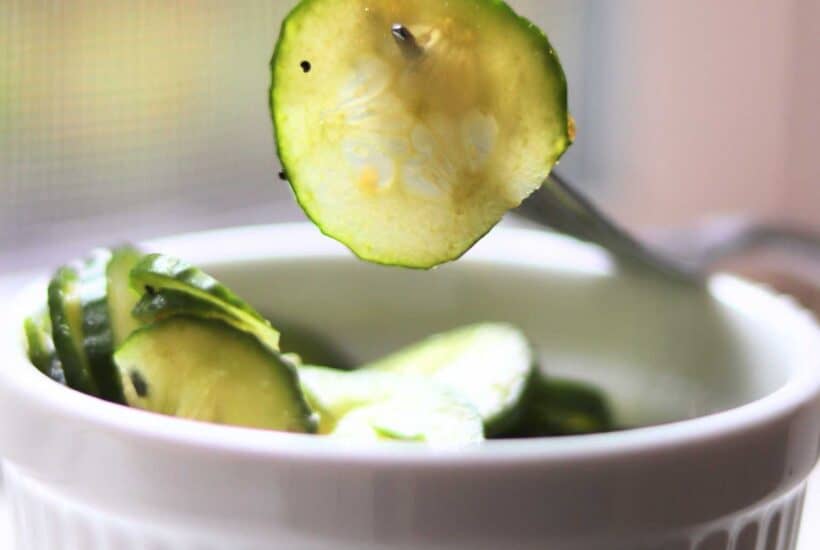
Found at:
(503, 245)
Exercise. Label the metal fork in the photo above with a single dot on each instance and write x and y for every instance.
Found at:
(686, 255)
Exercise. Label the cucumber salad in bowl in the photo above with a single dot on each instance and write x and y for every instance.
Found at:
(406, 130)
(155, 333)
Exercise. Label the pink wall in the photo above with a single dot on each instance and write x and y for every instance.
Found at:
(803, 141)
(707, 91)
(693, 108)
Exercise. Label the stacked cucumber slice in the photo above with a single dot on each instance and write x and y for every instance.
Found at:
(205, 354)
(171, 287)
(86, 302)
(156, 333)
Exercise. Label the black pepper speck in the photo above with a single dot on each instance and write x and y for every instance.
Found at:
(140, 385)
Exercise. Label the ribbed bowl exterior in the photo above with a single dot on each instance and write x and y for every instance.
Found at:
(44, 520)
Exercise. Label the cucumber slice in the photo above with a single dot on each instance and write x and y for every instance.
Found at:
(372, 405)
(209, 370)
(563, 407)
(179, 281)
(40, 347)
(90, 300)
(431, 416)
(121, 297)
(165, 303)
(97, 333)
(334, 393)
(66, 313)
(490, 364)
(409, 148)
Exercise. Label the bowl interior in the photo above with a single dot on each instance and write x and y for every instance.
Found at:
(663, 352)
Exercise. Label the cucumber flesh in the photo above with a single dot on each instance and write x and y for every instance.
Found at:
(430, 415)
(165, 303)
(121, 297)
(408, 151)
(66, 313)
(40, 347)
(210, 371)
(334, 393)
(370, 405)
(490, 364)
(156, 272)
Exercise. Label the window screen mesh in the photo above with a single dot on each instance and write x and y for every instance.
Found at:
(132, 118)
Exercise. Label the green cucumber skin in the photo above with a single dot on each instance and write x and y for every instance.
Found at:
(157, 272)
(167, 303)
(41, 352)
(39, 349)
(311, 347)
(165, 269)
(98, 336)
(558, 407)
(541, 40)
(77, 373)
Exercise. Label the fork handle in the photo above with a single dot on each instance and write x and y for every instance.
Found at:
(560, 207)
(712, 242)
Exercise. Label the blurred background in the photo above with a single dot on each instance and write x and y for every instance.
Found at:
(125, 120)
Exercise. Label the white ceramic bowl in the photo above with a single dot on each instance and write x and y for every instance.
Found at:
(728, 381)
